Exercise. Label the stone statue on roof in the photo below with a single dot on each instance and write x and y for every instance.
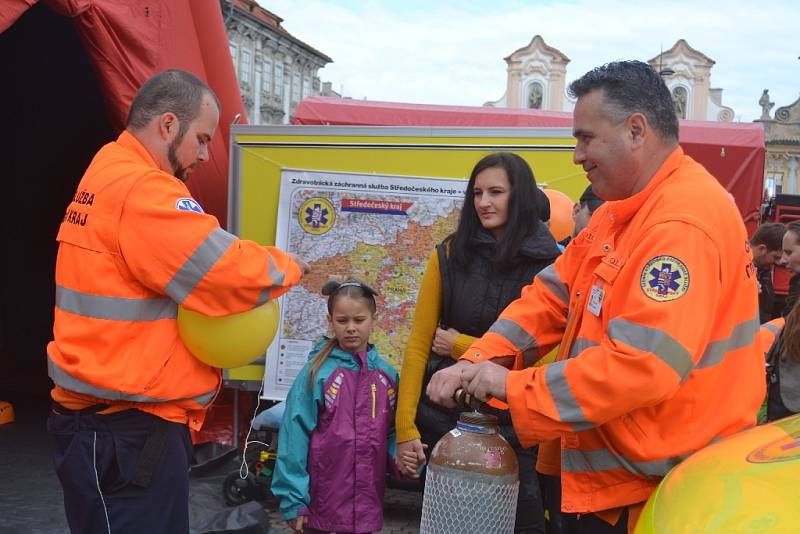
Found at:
(765, 104)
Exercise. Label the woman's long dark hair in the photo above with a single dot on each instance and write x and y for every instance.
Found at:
(524, 212)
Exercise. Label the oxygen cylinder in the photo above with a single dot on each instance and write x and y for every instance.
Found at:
(472, 481)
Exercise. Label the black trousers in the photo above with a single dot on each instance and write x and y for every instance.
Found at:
(591, 524)
(100, 462)
(550, 486)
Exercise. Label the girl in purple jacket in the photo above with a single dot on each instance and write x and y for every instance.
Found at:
(337, 439)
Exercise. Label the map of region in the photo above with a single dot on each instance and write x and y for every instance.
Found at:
(384, 240)
(379, 229)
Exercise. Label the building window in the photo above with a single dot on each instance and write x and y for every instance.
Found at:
(266, 77)
(234, 53)
(244, 73)
(306, 86)
(295, 86)
(535, 95)
(680, 99)
(774, 183)
(279, 79)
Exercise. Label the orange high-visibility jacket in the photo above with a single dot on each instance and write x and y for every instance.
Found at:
(132, 246)
(657, 304)
(769, 332)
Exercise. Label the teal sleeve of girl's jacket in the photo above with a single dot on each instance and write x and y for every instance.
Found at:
(290, 480)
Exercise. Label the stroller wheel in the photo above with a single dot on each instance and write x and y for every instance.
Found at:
(237, 491)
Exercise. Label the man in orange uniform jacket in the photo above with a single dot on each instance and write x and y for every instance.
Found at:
(134, 245)
(655, 305)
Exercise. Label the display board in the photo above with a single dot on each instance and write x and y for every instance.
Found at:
(391, 194)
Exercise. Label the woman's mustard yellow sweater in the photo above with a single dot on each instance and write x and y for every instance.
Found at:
(415, 358)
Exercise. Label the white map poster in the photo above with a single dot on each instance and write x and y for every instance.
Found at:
(379, 229)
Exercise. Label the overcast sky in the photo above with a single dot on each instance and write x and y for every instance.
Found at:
(451, 52)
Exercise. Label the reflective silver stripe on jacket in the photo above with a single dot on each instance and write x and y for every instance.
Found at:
(199, 263)
(658, 342)
(569, 411)
(549, 277)
(276, 275)
(67, 381)
(743, 334)
(519, 338)
(775, 329)
(579, 345)
(580, 461)
(114, 308)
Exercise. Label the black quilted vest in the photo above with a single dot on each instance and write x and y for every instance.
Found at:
(479, 294)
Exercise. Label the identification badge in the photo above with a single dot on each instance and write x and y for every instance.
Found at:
(595, 303)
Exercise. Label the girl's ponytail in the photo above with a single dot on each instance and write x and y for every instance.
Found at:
(319, 359)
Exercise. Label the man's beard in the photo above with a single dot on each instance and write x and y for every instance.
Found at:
(180, 172)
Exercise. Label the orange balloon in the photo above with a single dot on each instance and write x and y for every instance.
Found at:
(561, 222)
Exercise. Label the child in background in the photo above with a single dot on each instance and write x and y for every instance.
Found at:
(337, 439)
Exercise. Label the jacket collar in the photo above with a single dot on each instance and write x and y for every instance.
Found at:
(366, 359)
(620, 211)
(129, 141)
(539, 244)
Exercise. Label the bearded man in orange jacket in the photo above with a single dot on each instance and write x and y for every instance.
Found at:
(134, 245)
(654, 305)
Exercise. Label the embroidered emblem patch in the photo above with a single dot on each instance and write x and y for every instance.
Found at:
(665, 278)
(188, 204)
(316, 215)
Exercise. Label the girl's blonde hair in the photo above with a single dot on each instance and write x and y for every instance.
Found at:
(352, 288)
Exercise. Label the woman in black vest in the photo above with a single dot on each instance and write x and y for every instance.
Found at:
(499, 246)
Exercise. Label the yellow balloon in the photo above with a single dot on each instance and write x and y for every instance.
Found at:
(232, 340)
(745, 483)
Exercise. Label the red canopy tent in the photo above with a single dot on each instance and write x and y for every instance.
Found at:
(72, 68)
(733, 152)
(127, 42)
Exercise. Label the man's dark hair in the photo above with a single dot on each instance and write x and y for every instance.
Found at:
(770, 235)
(590, 200)
(173, 90)
(632, 87)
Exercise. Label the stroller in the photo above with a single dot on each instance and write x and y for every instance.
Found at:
(252, 481)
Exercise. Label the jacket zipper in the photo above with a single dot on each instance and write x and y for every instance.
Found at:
(374, 389)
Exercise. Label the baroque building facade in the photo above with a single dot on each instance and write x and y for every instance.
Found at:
(782, 140)
(536, 78)
(275, 69)
(687, 73)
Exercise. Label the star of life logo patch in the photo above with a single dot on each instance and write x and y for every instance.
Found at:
(665, 278)
(188, 204)
(316, 215)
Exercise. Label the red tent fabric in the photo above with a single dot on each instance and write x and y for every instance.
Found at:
(128, 42)
(733, 152)
(337, 111)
